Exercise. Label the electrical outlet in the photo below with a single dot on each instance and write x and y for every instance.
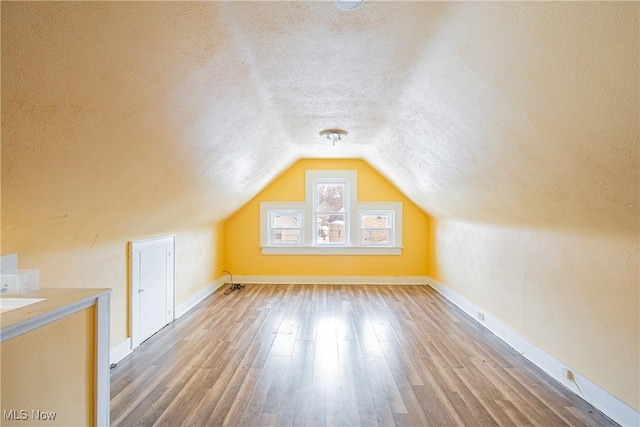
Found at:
(481, 316)
(567, 374)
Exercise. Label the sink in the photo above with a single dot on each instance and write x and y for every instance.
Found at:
(7, 304)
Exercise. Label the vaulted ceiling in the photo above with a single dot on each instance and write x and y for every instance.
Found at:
(511, 113)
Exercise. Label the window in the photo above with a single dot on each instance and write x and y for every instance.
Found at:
(376, 228)
(285, 227)
(330, 212)
(331, 221)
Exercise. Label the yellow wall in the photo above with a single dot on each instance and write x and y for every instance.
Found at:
(51, 369)
(199, 260)
(242, 252)
(574, 293)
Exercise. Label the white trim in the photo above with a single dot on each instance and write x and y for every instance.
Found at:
(308, 243)
(120, 351)
(103, 379)
(101, 330)
(388, 214)
(153, 242)
(37, 321)
(135, 249)
(396, 229)
(334, 280)
(192, 301)
(266, 207)
(601, 399)
(348, 178)
(354, 249)
(271, 213)
(331, 250)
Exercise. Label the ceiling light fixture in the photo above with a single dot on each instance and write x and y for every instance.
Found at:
(349, 4)
(333, 135)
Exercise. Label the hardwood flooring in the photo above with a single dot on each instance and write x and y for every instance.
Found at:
(331, 355)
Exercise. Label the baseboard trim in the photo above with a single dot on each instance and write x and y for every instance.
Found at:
(121, 350)
(601, 399)
(183, 308)
(333, 280)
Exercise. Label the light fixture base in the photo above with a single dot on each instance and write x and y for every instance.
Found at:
(349, 4)
(333, 135)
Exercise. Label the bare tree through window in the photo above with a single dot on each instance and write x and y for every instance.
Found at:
(330, 197)
(330, 205)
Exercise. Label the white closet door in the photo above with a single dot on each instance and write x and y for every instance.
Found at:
(153, 286)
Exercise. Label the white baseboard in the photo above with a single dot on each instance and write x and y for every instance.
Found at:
(196, 298)
(333, 280)
(125, 347)
(118, 352)
(601, 399)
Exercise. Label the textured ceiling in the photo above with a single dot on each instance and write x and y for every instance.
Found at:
(511, 113)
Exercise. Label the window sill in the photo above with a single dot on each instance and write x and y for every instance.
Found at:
(335, 250)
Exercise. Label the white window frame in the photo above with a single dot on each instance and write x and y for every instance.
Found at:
(308, 242)
(390, 229)
(269, 208)
(317, 182)
(288, 212)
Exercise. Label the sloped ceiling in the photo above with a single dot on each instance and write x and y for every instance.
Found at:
(137, 113)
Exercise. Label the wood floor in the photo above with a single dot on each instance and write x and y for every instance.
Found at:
(330, 355)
